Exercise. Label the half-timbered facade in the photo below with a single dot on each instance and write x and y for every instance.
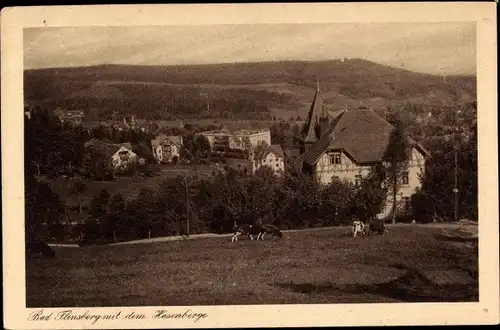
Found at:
(353, 143)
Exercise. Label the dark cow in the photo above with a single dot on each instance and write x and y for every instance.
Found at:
(376, 226)
(256, 229)
(270, 229)
(39, 248)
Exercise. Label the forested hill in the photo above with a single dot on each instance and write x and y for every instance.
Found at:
(355, 78)
(238, 90)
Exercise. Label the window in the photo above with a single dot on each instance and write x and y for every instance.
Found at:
(405, 179)
(277, 165)
(357, 179)
(335, 158)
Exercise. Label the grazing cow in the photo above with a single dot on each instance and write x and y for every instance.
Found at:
(37, 247)
(377, 226)
(255, 229)
(366, 229)
(244, 229)
(358, 227)
(269, 229)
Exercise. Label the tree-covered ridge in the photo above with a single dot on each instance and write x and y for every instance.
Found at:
(239, 90)
(389, 82)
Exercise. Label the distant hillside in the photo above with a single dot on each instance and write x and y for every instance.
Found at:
(286, 85)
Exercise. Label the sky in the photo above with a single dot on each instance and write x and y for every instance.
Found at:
(437, 48)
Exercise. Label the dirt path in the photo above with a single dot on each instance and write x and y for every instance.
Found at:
(209, 235)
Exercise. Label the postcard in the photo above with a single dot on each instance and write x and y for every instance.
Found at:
(249, 165)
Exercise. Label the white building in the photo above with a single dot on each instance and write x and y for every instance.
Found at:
(349, 145)
(223, 140)
(273, 157)
(166, 149)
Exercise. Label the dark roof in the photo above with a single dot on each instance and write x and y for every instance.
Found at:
(111, 149)
(273, 148)
(361, 134)
(297, 163)
(127, 145)
(155, 143)
(162, 137)
(316, 112)
(276, 149)
(292, 153)
(175, 139)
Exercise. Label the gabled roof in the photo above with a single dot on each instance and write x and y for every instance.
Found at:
(297, 163)
(316, 112)
(361, 134)
(273, 148)
(112, 149)
(155, 143)
(175, 139)
(162, 137)
(292, 153)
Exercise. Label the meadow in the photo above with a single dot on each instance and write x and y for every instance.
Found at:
(407, 264)
(129, 187)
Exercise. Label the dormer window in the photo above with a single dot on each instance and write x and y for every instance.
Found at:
(335, 158)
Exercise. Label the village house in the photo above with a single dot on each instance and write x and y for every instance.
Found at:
(122, 156)
(271, 156)
(348, 145)
(166, 149)
(267, 155)
(70, 116)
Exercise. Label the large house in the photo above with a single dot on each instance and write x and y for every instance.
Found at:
(166, 149)
(270, 155)
(223, 140)
(349, 144)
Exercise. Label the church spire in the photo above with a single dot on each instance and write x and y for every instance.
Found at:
(316, 112)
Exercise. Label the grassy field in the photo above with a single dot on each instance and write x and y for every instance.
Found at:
(408, 263)
(127, 186)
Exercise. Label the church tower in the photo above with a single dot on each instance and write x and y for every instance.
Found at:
(318, 121)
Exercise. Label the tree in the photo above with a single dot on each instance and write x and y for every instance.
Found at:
(143, 151)
(97, 163)
(396, 159)
(438, 179)
(115, 219)
(265, 172)
(336, 199)
(370, 195)
(43, 207)
(145, 217)
(76, 188)
(99, 204)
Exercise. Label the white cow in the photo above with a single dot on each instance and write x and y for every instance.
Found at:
(358, 227)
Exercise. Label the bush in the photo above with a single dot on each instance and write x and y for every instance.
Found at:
(422, 206)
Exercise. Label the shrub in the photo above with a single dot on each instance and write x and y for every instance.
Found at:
(422, 206)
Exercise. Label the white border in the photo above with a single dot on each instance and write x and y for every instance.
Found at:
(13, 21)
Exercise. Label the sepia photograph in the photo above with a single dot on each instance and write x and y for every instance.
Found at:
(249, 164)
